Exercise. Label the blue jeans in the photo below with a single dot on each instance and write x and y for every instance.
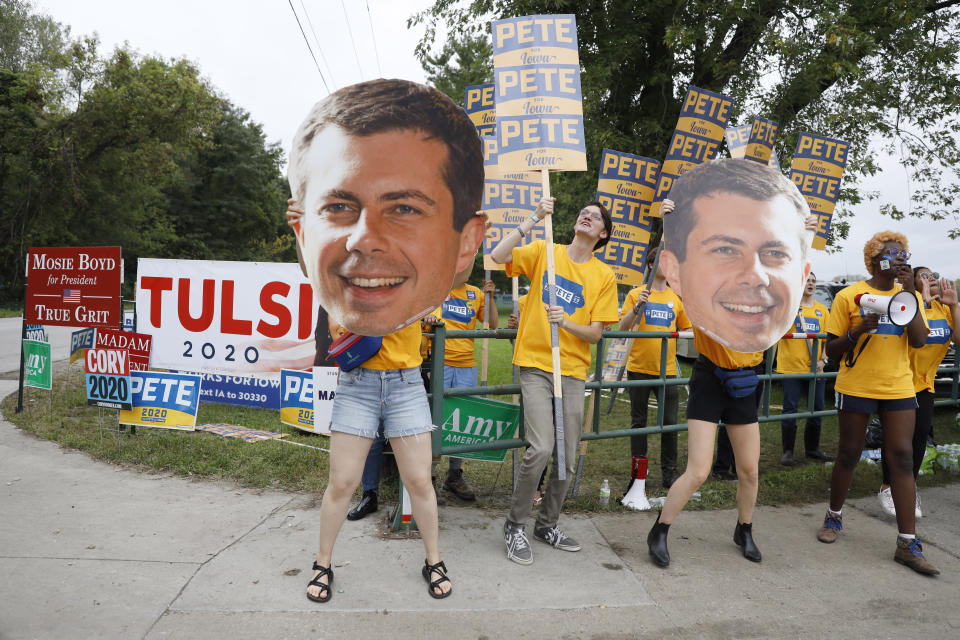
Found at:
(370, 480)
(793, 390)
(453, 378)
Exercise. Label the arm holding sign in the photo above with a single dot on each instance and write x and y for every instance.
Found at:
(502, 253)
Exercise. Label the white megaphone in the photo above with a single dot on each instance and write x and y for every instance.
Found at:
(636, 497)
(900, 308)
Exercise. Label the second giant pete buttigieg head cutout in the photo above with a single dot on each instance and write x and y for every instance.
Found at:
(736, 251)
(390, 176)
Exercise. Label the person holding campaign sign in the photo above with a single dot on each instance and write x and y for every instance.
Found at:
(875, 377)
(663, 312)
(390, 176)
(793, 356)
(587, 301)
(941, 310)
(736, 237)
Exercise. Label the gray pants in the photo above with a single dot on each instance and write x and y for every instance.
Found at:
(537, 389)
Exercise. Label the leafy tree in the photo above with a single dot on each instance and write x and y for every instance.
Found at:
(859, 70)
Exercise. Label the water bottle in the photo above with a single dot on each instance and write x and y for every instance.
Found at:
(605, 493)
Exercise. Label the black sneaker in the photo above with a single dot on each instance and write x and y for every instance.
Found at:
(555, 538)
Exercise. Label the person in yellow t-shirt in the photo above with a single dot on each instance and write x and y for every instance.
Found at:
(941, 311)
(723, 388)
(875, 377)
(586, 296)
(793, 356)
(462, 310)
(663, 312)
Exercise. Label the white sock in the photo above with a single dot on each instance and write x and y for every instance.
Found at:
(908, 536)
(834, 513)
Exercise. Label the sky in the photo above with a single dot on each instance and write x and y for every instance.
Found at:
(254, 53)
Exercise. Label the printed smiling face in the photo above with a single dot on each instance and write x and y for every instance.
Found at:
(744, 270)
(377, 236)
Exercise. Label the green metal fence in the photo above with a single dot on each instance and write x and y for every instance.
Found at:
(438, 393)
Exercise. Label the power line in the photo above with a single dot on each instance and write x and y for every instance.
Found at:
(309, 48)
(317, 42)
(374, 36)
(352, 41)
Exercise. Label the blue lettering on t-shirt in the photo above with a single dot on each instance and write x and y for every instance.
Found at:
(569, 294)
(885, 327)
(457, 310)
(940, 332)
(658, 314)
(471, 294)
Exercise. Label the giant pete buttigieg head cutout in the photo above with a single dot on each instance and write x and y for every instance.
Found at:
(390, 176)
(736, 251)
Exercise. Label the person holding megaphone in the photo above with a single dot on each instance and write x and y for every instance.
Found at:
(870, 329)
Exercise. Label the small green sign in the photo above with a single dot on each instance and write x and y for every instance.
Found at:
(468, 420)
(37, 365)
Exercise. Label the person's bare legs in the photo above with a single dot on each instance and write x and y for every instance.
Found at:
(414, 456)
(347, 455)
(701, 436)
(898, 441)
(745, 439)
(853, 427)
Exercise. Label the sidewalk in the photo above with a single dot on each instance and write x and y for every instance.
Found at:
(93, 550)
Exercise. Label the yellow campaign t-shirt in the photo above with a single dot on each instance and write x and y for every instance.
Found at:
(882, 370)
(722, 356)
(663, 312)
(400, 350)
(793, 356)
(587, 292)
(925, 360)
(462, 309)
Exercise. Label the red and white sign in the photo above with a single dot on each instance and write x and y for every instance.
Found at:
(138, 344)
(112, 362)
(74, 286)
(229, 317)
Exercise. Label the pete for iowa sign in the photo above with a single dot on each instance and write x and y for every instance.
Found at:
(74, 286)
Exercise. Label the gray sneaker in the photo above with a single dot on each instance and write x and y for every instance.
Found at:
(518, 547)
(556, 538)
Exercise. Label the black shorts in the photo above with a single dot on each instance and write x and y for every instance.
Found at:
(708, 401)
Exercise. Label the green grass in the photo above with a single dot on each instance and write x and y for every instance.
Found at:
(11, 312)
(63, 416)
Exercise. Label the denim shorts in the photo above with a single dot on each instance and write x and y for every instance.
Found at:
(856, 404)
(368, 397)
(455, 377)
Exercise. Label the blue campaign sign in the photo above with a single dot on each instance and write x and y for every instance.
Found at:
(81, 340)
(109, 391)
(258, 392)
(296, 401)
(166, 400)
(36, 332)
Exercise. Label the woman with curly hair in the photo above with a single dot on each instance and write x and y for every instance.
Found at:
(875, 377)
